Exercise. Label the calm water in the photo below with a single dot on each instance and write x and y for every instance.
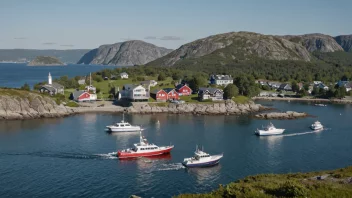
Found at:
(15, 75)
(71, 157)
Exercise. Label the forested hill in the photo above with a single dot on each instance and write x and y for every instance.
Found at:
(243, 47)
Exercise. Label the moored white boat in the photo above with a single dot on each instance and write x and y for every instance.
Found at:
(321, 105)
(269, 130)
(317, 126)
(144, 149)
(202, 159)
(123, 126)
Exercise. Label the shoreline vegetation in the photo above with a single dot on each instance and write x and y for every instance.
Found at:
(333, 183)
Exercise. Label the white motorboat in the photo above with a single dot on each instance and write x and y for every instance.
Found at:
(321, 105)
(269, 130)
(317, 126)
(123, 126)
(202, 159)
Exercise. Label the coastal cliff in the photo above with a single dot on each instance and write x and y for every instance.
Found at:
(19, 104)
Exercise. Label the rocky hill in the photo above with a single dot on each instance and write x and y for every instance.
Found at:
(345, 41)
(236, 46)
(45, 61)
(133, 52)
(19, 104)
(316, 42)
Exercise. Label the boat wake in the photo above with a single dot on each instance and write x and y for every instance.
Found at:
(112, 155)
(171, 167)
(301, 133)
(65, 155)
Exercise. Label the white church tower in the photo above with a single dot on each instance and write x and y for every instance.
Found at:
(49, 79)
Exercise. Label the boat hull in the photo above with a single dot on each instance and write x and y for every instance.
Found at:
(130, 129)
(267, 133)
(125, 155)
(317, 128)
(201, 164)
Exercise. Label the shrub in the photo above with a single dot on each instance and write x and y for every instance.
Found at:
(26, 87)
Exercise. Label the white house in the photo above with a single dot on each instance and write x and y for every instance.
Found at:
(134, 93)
(124, 75)
(52, 88)
(221, 79)
(91, 88)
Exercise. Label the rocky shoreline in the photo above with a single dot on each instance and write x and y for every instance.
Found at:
(281, 115)
(32, 106)
(315, 100)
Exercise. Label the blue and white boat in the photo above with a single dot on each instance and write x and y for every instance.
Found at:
(202, 159)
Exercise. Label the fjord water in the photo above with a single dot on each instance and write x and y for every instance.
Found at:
(15, 75)
(71, 157)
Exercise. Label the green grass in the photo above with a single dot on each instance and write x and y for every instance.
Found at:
(241, 99)
(286, 185)
(72, 104)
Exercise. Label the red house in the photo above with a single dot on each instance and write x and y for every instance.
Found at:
(80, 96)
(159, 95)
(183, 90)
(171, 94)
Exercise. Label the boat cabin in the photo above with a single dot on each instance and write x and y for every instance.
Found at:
(123, 124)
(200, 154)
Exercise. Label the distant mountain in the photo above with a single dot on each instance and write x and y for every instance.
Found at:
(45, 61)
(316, 42)
(345, 41)
(234, 47)
(133, 52)
(26, 55)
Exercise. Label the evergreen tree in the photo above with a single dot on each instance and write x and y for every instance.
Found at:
(230, 91)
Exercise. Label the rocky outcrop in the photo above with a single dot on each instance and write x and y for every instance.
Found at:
(29, 106)
(228, 107)
(237, 46)
(125, 53)
(345, 41)
(45, 61)
(285, 115)
(316, 42)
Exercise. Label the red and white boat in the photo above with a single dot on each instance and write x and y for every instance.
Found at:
(144, 149)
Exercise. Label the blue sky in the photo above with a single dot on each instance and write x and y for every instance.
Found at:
(78, 24)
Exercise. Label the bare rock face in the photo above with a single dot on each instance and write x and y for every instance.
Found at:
(125, 53)
(29, 106)
(316, 42)
(345, 41)
(228, 107)
(285, 115)
(237, 45)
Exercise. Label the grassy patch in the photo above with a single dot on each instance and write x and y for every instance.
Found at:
(72, 104)
(241, 99)
(286, 185)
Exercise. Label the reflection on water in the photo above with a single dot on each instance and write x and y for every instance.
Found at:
(205, 175)
(13, 126)
(123, 138)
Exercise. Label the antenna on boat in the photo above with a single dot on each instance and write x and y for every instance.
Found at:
(202, 148)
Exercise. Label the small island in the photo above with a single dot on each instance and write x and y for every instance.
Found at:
(46, 61)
